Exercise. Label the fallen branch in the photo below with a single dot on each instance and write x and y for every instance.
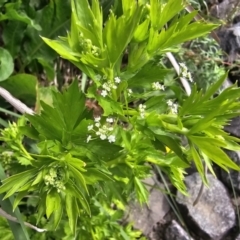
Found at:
(21, 107)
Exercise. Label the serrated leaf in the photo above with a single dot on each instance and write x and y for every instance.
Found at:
(211, 147)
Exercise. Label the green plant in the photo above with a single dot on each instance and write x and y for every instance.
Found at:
(80, 163)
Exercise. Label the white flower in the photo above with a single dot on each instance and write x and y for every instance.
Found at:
(142, 107)
(111, 138)
(89, 138)
(170, 103)
(117, 80)
(103, 136)
(174, 108)
(158, 86)
(129, 92)
(104, 93)
(90, 127)
(97, 124)
(97, 119)
(110, 120)
(106, 86)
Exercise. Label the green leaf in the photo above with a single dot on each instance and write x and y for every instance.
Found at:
(211, 147)
(141, 190)
(19, 230)
(72, 189)
(12, 36)
(79, 178)
(6, 64)
(94, 175)
(53, 202)
(148, 74)
(122, 29)
(161, 13)
(198, 163)
(63, 120)
(55, 24)
(13, 183)
(72, 212)
(20, 16)
(22, 86)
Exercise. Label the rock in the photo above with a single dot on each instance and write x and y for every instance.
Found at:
(232, 179)
(175, 232)
(146, 217)
(233, 127)
(213, 216)
(223, 9)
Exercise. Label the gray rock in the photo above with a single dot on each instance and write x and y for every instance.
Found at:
(175, 232)
(232, 179)
(233, 127)
(213, 216)
(147, 216)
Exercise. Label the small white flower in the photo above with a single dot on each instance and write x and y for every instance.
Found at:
(142, 107)
(170, 103)
(90, 127)
(174, 108)
(114, 86)
(89, 138)
(103, 136)
(110, 129)
(158, 86)
(110, 120)
(129, 92)
(111, 138)
(98, 133)
(97, 124)
(104, 93)
(97, 119)
(117, 80)
(106, 87)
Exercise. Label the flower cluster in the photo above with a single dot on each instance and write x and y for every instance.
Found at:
(142, 108)
(103, 131)
(158, 86)
(88, 47)
(52, 179)
(173, 106)
(129, 92)
(107, 86)
(185, 73)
